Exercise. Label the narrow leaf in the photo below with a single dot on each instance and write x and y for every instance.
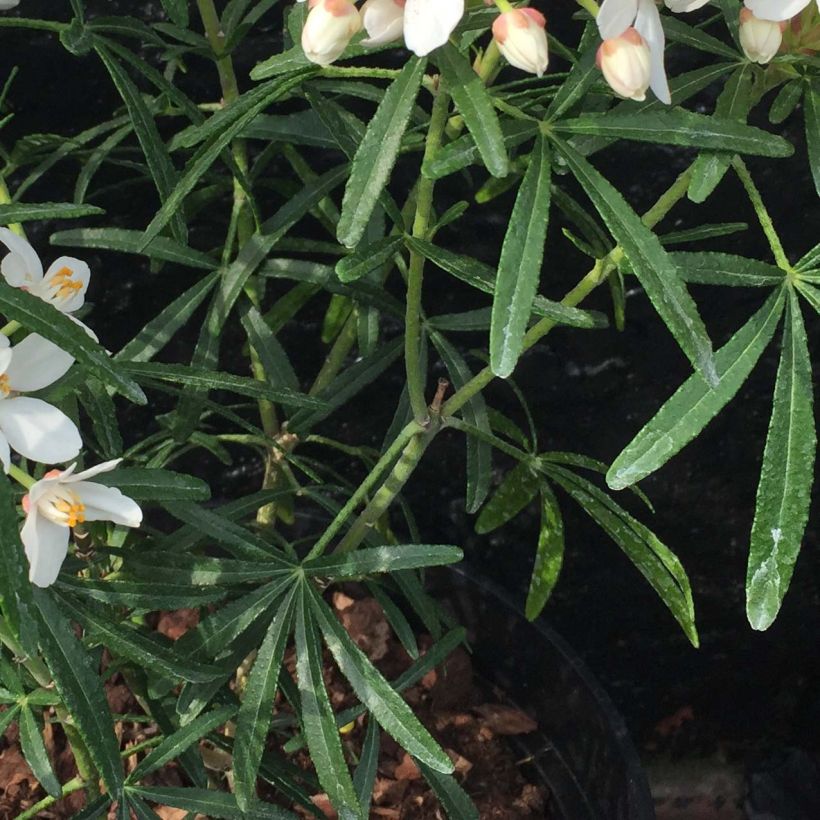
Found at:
(786, 477)
(548, 557)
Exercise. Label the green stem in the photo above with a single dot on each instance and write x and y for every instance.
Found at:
(762, 214)
(381, 501)
(21, 476)
(390, 455)
(590, 5)
(26, 22)
(337, 355)
(416, 377)
(73, 785)
(5, 199)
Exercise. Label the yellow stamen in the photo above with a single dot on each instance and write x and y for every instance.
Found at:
(64, 283)
(67, 509)
(4, 385)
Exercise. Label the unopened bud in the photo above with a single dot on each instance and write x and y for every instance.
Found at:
(626, 64)
(522, 38)
(383, 21)
(328, 29)
(759, 39)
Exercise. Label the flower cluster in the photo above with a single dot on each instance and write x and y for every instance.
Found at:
(424, 24)
(42, 433)
(631, 56)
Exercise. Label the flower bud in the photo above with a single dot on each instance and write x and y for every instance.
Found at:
(522, 39)
(759, 39)
(626, 64)
(383, 21)
(328, 29)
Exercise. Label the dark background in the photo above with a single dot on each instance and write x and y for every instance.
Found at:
(745, 702)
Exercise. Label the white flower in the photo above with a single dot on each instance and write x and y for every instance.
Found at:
(428, 24)
(61, 500)
(684, 5)
(760, 39)
(383, 21)
(522, 39)
(30, 426)
(5, 5)
(777, 10)
(328, 29)
(64, 284)
(625, 62)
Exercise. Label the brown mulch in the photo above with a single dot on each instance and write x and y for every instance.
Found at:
(472, 723)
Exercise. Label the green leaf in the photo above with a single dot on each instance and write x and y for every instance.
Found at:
(80, 689)
(519, 270)
(173, 745)
(241, 542)
(317, 718)
(653, 559)
(146, 484)
(479, 453)
(464, 151)
(455, 801)
(140, 593)
(156, 155)
(482, 277)
(378, 152)
(40, 317)
(156, 334)
(232, 121)
(102, 413)
(786, 477)
(15, 587)
(211, 380)
(734, 102)
(811, 105)
(695, 404)
(28, 212)
(383, 701)
(513, 494)
(145, 651)
(652, 265)
(256, 711)
(209, 803)
(162, 248)
(275, 363)
(197, 570)
(364, 778)
(785, 102)
(177, 11)
(220, 629)
(707, 268)
(349, 383)
(34, 750)
(679, 127)
(476, 106)
(811, 294)
(548, 557)
(370, 257)
(382, 559)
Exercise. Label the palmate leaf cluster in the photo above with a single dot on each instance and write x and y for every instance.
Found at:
(311, 164)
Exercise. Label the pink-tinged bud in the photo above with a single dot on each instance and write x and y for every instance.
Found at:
(521, 35)
(760, 39)
(626, 64)
(383, 21)
(328, 29)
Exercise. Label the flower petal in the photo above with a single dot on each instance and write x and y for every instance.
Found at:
(65, 284)
(21, 267)
(776, 10)
(103, 467)
(615, 17)
(428, 24)
(39, 431)
(648, 24)
(108, 504)
(46, 545)
(5, 453)
(36, 363)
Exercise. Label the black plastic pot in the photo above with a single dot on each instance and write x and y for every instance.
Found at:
(581, 750)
